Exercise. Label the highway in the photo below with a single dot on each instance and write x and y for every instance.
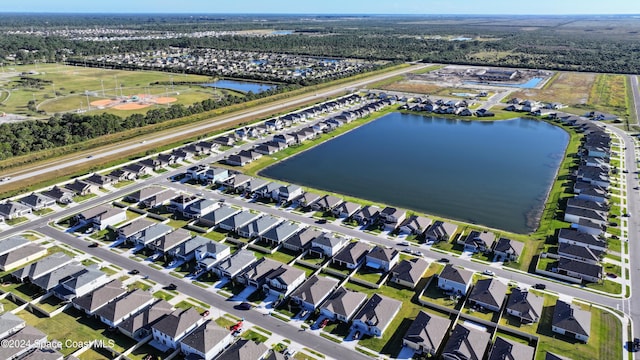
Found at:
(133, 146)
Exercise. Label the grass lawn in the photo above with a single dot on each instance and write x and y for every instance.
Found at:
(252, 335)
(369, 275)
(283, 255)
(607, 286)
(215, 235)
(121, 184)
(50, 304)
(7, 304)
(163, 295)
(208, 278)
(146, 349)
(72, 324)
(92, 354)
(44, 211)
(184, 304)
(225, 322)
(308, 271)
(81, 198)
(337, 328)
(16, 221)
(614, 245)
(138, 285)
(437, 296)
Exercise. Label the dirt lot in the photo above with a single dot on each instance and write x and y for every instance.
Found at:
(568, 88)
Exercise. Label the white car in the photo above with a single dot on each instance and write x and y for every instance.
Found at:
(488, 272)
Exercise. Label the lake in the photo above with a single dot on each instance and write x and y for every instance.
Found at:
(495, 173)
(529, 84)
(242, 86)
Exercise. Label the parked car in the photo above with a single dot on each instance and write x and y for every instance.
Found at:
(134, 272)
(540, 286)
(171, 286)
(244, 306)
(321, 221)
(205, 313)
(94, 244)
(404, 243)
(488, 272)
(612, 275)
(417, 253)
(443, 260)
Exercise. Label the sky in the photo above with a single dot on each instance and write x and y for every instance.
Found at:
(428, 7)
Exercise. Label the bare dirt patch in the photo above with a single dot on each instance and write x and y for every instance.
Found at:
(131, 106)
(417, 87)
(105, 102)
(568, 88)
(164, 100)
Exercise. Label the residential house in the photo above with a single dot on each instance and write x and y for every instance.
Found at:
(409, 272)
(19, 256)
(115, 312)
(81, 188)
(414, 225)
(382, 258)
(586, 204)
(138, 169)
(488, 294)
(346, 210)
(284, 138)
(367, 214)
(214, 218)
(258, 227)
(187, 250)
(391, 215)
(237, 221)
(288, 193)
(466, 343)
(150, 196)
(302, 240)
(209, 254)
(455, 279)
(577, 269)
(181, 202)
(101, 180)
(508, 349)
(270, 191)
(102, 216)
(42, 267)
(580, 253)
(426, 333)
(61, 195)
(589, 227)
(313, 292)
(574, 237)
(245, 350)
(326, 203)
(307, 199)
(167, 159)
(507, 250)
(351, 255)
(327, 245)
(233, 265)
(238, 160)
(166, 242)
(122, 175)
(206, 342)
(23, 342)
(139, 325)
(216, 175)
(37, 201)
(53, 278)
(224, 140)
(274, 277)
(281, 233)
(200, 207)
(150, 234)
(525, 305)
(376, 314)
(342, 304)
(477, 241)
(574, 215)
(94, 300)
(236, 182)
(252, 185)
(170, 329)
(12, 210)
(81, 283)
(132, 229)
(571, 321)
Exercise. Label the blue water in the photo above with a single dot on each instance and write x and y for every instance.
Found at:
(491, 173)
(533, 82)
(243, 86)
(283, 32)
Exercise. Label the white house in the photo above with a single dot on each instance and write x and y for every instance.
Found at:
(207, 341)
(169, 330)
(454, 279)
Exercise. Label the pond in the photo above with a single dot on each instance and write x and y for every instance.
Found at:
(495, 173)
(530, 84)
(242, 86)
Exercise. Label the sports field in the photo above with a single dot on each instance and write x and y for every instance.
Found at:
(56, 88)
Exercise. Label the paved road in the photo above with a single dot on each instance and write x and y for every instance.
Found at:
(261, 111)
(636, 96)
(272, 324)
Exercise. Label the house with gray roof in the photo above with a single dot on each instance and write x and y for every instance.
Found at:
(20, 256)
(42, 267)
(376, 314)
(574, 215)
(327, 245)
(314, 291)
(236, 182)
(12, 210)
(466, 342)
(280, 233)
(217, 216)
(426, 333)
(346, 209)
(507, 250)
(51, 279)
(245, 350)
(455, 279)
(61, 195)
(101, 180)
(25, 341)
(382, 258)
(409, 272)
(289, 193)
(575, 237)
(81, 187)
(81, 283)
(306, 199)
(139, 325)
(115, 312)
(170, 329)
(586, 204)
(577, 269)
(37, 201)
(10, 324)
(415, 225)
(342, 304)
(488, 294)
(270, 191)
(393, 216)
(89, 303)
(150, 234)
(252, 185)
(302, 240)
(144, 194)
(326, 203)
(181, 202)
(367, 214)
(273, 277)
(258, 227)
(187, 250)
(351, 255)
(200, 207)
(525, 305)
(102, 216)
(239, 220)
(477, 241)
(131, 229)
(12, 243)
(233, 265)
(209, 254)
(580, 253)
(571, 321)
(169, 241)
(207, 341)
(508, 349)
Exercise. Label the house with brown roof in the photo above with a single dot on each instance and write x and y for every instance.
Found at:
(273, 277)
(477, 241)
(367, 214)
(507, 250)
(302, 240)
(426, 333)
(414, 225)
(342, 304)
(345, 209)
(81, 188)
(245, 350)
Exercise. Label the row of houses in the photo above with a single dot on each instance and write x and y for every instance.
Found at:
(25, 341)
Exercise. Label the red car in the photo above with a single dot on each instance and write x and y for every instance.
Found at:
(324, 323)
